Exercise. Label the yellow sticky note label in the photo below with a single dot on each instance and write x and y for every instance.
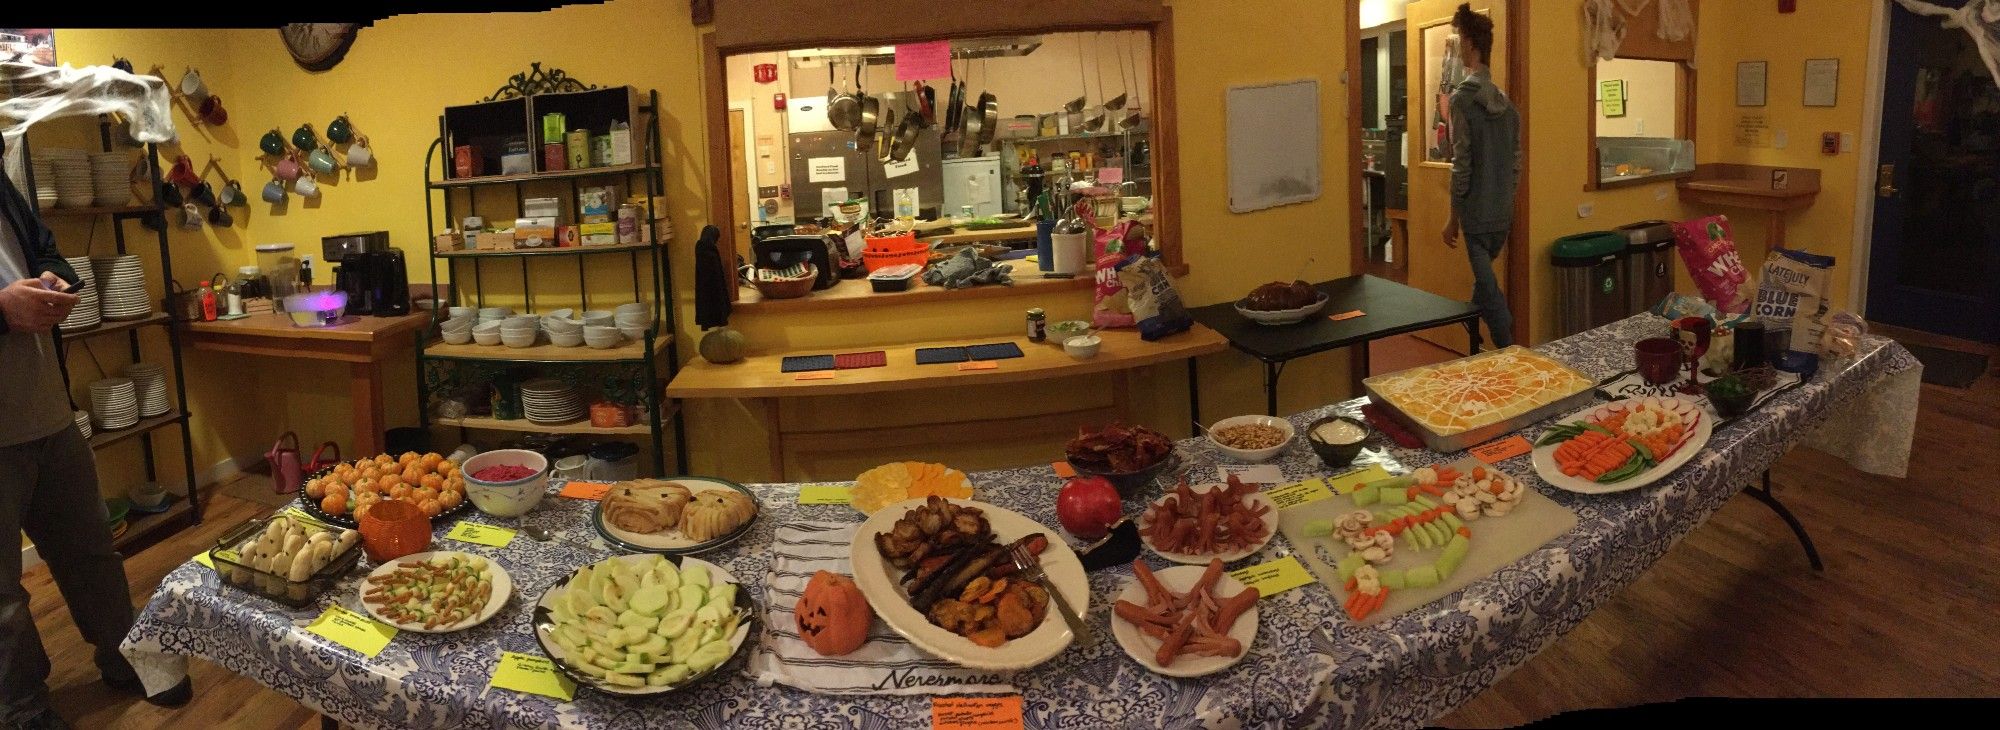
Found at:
(1293, 495)
(1347, 483)
(824, 494)
(202, 557)
(976, 713)
(352, 630)
(979, 365)
(816, 375)
(533, 675)
(1274, 577)
(478, 534)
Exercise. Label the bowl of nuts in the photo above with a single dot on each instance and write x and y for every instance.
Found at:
(1251, 438)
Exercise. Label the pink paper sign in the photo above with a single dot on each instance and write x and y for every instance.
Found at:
(1110, 175)
(919, 61)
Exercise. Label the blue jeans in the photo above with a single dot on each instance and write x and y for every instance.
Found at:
(1482, 248)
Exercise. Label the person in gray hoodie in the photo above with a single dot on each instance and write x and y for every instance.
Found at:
(1485, 167)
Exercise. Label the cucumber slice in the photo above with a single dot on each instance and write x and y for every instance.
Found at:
(1454, 553)
(1366, 496)
(1316, 528)
(1400, 482)
(1423, 576)
(1395, 495)
(1439, 535)
(1423, 501)
(1423, 536)
(1392, 579)
(1451, 520)
(1347, 565)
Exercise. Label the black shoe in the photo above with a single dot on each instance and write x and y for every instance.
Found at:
(175, 696)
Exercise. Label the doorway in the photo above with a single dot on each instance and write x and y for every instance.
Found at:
(1934, 264)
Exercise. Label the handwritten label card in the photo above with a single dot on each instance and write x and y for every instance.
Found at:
(1251, 473)
(979, 365)
(1274, 577)
(919, 61)
(533, 675)
(1347, 315)
(352, 630)
(816, 375)
(1063, 469)
(584, 490)
(478, 534)
(1293, 495)
(1494, 452)
(1353, 480)
(976, 713)
(824, 494)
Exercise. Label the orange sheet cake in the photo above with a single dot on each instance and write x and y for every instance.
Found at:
(1480, 390)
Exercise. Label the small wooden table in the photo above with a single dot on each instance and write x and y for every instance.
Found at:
(762, 376)
(362, 342)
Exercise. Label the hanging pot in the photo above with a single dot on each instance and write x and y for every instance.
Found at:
(906, 138)
(842, 109)
(989, 117)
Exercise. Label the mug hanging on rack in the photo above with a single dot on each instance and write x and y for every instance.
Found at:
(360, 155)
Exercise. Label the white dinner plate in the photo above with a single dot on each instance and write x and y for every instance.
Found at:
(880, 583)
(1691, 442)
(1144, 649)
(1256, 497)
(503, 587)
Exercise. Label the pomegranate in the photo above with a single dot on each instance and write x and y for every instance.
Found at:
(1087, 506)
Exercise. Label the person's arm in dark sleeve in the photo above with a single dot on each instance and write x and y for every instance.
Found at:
(1461, 150)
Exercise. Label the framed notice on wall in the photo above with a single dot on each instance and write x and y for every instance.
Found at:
(1750, 76)
(1822, 81)
(1611, 93)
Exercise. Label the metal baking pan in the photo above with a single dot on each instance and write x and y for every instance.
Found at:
(1474, 437)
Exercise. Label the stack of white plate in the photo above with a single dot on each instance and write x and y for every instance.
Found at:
(87, 313)
(114, 402)
(121, 285)
(71, 168)
(83, 424)
(151, 382)
(551, 401)
(111, 177)
(45, 182)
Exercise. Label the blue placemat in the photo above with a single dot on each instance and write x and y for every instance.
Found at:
(807, 363)
(935, 355)
(995, 351)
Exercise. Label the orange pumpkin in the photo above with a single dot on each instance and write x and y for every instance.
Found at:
(832, 615)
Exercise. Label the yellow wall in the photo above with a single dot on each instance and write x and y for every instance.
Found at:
(403, 70)
(1735, 31)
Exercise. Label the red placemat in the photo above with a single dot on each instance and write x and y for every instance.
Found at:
(852, 360)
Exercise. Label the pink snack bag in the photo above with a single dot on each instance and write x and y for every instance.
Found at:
(1709, 250)
(1114, 303)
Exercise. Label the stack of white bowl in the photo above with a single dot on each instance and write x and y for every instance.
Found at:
(563, 329)
(151, 382)
(45, 182)
(88, 312)
(111, 177)
(71, 170)
(551, 401)
(633, 319)
(486, 333)
(494, 314)
(114, 402)
(83, 424)
(521, 330)
(462, 313)
(457, 330)
(121, 284)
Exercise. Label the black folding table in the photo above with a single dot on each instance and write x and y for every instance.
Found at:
(1390, 309)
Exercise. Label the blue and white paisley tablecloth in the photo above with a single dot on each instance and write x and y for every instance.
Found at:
(1309, 667)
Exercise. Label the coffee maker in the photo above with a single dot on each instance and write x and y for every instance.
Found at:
(374, 275)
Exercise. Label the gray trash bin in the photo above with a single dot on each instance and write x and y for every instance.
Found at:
(1590, 281)
(1649, 263)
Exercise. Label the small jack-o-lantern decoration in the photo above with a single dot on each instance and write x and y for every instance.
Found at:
(833, 617)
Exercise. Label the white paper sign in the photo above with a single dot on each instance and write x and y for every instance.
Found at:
(829, 197)
(899, 169)
(826, 169)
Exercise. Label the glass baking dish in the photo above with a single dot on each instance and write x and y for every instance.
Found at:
(236, 569)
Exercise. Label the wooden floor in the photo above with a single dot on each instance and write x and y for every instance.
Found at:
(1904, 609)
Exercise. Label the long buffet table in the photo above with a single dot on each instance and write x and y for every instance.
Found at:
(1309, 665)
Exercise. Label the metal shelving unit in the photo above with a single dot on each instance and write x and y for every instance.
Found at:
(142, 530)
(633, 367)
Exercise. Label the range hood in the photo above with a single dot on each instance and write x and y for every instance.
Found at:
(997, 47)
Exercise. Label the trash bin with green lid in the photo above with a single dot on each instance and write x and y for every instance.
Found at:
(1590, 281)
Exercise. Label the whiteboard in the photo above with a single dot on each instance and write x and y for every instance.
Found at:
(1273, 144)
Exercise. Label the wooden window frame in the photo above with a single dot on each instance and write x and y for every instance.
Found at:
(757, 26)
(1684, 86)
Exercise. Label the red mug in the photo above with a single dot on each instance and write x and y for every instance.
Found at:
(1658, 359)
(555, 158)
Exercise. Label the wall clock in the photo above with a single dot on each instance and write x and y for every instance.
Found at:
(318, 46)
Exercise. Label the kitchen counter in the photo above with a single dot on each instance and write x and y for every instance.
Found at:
(363, 342)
